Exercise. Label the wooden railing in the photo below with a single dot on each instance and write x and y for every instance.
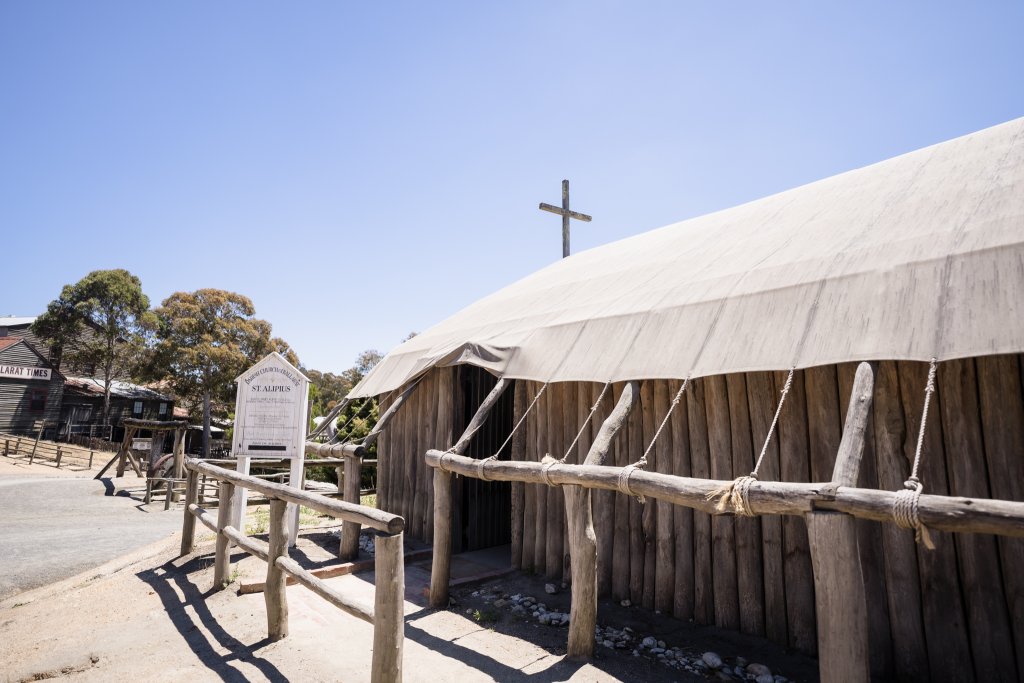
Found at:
(829, 509)
(386, 614)
(38, 448)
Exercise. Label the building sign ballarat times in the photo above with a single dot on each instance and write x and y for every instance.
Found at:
(270, 411)
(23, 372)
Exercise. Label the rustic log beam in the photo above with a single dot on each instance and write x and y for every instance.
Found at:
(388, 609)
(582, 537)
(274, 592)
(222, 558)
(367, 516)
(348, 548)
(383, 420)
(324, 590)
(946, 513)
(840, 602)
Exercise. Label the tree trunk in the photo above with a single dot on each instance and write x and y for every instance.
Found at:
(206, 424)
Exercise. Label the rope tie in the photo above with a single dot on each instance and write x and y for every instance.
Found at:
(623, 483)
(480, 468)
(441, 464)
(734, 496)
(549, 462)
(906, 514)
(905, 506)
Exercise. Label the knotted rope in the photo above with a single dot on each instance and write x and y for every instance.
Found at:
(905, 510)
(734, 496)
(626, 472)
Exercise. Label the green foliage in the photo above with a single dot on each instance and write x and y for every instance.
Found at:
(99, 322)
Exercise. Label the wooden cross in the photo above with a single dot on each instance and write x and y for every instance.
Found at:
(566, 214)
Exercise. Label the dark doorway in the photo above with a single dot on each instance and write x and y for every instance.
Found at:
(483, 508)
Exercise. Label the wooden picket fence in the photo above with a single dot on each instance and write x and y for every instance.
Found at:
(15, 446)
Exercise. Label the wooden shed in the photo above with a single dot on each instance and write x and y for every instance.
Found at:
(764, 312)
(30, 389)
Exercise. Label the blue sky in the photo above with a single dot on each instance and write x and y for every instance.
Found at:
(362, 170)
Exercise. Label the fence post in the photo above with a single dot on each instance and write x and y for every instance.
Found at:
(349, 549)
(274, 591)
(440, 568)
(7, 447)
(222, 561)
(60, 454)
(35, 446)
(388, 609)
(188, 526)
(90, 460)
(840, 602)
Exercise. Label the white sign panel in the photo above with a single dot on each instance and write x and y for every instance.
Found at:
(270, 410)
(23, 372)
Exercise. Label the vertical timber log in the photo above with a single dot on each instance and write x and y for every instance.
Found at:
(274, 592)
(222, 560)
(649, 510)
(349, 547)
(519, 402)
(388, 609)
(700, 466)
(838, 582)
(665, 549)
(440, 571)
(188, 527)
(583, 540)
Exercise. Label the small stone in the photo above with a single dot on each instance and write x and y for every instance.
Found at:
(712, 660)
(661, 644)
(780, 679)
(657, 650)
(500, 603)
(626, 629)
(626, 603)
(518, 609)
(621, 645)
(550, 589)
(544, 619)
(541, 606)
(741, 661)
(649, 642)
(608, 643)
(564, 619)
(476, 594)
(764, 678)
(759, 670)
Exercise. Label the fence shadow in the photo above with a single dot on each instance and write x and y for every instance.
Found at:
(163, 580)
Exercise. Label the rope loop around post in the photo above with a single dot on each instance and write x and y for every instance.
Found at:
(549, 462)
(905, 507)
(623, 483)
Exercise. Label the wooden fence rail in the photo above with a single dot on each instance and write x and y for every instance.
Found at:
(829, 509)
(386, 614)
(38, 448)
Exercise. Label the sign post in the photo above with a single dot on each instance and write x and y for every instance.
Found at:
(271, 413)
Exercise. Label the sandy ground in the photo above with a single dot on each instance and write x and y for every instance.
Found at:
(151, 614)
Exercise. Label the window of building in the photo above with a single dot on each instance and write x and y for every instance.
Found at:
(163, 408)
(137, 408)
(37, 400)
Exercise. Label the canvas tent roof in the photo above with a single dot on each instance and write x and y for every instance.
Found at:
(918, 256)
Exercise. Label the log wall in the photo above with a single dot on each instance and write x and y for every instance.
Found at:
(952, 614)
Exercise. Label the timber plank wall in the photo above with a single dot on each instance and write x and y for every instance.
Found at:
(952, 614)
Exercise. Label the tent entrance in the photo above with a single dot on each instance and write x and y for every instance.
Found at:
(483, 509)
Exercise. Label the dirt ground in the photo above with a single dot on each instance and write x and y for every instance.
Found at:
(154, 615)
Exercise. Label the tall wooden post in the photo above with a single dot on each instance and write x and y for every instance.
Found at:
(275, 594)
(440, 569)
(349, 549)
(583, 538)
(188, 527)
(222, 560)
(840, 602)
(388, 609)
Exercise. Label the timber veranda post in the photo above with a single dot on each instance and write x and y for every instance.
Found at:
(275, 588)
(222, 560)
(188, 526)
(840, 602)
(349, 547)
(388, 608)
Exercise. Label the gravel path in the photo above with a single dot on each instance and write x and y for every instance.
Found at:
(55, 528)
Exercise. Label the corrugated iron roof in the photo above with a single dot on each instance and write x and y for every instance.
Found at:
(16, 321)
(93, 386)
(7, 342)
